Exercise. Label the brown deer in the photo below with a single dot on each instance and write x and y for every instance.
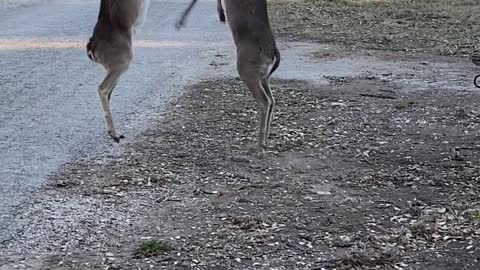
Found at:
(257, 53)
(111, 46)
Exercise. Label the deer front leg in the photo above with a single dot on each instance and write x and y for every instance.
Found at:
(105, 90)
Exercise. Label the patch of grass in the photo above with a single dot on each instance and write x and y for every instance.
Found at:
(152, 248)
(434, 26)
(473, 215)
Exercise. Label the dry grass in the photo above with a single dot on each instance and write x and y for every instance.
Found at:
(435, 26)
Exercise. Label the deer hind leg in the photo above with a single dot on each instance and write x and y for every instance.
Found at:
(266, 85)
(181, 21)
(251, 75)
(268, 91)
(221, 11)
(105, 90)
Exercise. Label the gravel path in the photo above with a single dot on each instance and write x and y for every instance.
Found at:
(49, 110)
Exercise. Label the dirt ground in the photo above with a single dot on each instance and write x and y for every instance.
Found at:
(434, 26)
(363, 172)
(361, 175)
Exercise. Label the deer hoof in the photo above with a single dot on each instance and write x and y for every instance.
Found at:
(257, 151)
(179, 25)
(115, 137)
(118, 138)
(261, 153)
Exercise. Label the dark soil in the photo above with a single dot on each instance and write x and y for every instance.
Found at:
(360, 176)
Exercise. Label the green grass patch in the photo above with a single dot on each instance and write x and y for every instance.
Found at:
(152, 248)
(473, 215)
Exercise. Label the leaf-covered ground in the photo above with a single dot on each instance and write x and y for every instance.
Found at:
(434, 26)
(361, 175)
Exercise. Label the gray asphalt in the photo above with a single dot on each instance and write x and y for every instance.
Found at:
(49, 110)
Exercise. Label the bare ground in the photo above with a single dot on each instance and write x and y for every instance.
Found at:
(360, 175)
(433, 26)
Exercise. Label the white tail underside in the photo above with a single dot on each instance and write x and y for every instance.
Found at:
(142, 15)
(224, 11)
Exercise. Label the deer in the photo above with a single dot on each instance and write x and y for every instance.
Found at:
(257, 54)
(111, 46)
